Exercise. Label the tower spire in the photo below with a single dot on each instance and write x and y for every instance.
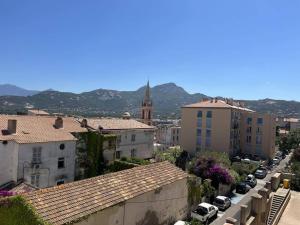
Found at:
(147, 106)
(147, 93)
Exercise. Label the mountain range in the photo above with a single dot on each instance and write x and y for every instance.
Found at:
(8, 89)
(167, 99)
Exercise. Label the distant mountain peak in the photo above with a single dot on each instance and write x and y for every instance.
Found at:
(13, 90)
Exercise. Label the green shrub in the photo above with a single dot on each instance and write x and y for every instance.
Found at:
(118, 166)
(16, 211)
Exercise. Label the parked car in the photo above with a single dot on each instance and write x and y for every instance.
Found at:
(222, 202)
(205, 212)
(276, 161)
(236, 159)
(261, 173)
(278, 157)
(242, 188)
(251, 180)
(181, 223)
(246, 160)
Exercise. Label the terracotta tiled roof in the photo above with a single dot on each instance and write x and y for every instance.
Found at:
(34, 129)
(23, 188)
(116, 124)
(216, 104)
(72, 201)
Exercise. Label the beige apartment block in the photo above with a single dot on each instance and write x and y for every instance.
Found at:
(225, 126)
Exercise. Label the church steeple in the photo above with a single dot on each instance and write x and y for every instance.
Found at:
(147, 107)
(147, 93)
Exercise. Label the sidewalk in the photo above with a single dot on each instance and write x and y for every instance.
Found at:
(291, 215)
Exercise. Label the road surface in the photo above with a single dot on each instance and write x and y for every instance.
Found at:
(239, 199)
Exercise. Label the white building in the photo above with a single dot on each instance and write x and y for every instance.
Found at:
(39, 150)
(134, 139)
(168, 135)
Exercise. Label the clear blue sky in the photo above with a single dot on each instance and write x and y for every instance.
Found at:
(241, 49)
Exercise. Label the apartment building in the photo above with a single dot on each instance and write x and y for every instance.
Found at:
(168, 135)
(39, 150)
(134, 139)
(227, 126)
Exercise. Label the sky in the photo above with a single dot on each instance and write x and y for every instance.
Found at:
(233, 48)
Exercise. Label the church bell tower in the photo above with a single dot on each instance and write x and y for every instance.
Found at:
(147, 107)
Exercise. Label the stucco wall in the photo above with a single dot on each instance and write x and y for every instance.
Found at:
(143, 143)
(49, 172)
(159, 207)
(8, 162)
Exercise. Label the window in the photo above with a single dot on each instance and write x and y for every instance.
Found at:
(61, 163)
(62, 146)
(36, 155)
(248, 140)
(199, 140)
(118, 154)
(249, 121)
(35, 180)
(258, 140)
(208, 122)
(209, 114)
(249, 130)
(133, 153)
(207, 142)
(199, 115)
(60, 182)
(199, 119)
(208, 133)
(259, 130)
(110, 143)
(199, 134)
(260, 121)
(119, 139)
(177, 138)
(133, 137)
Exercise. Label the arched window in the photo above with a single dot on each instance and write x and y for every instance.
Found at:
(199, 115)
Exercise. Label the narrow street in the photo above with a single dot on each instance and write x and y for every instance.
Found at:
(240, 199)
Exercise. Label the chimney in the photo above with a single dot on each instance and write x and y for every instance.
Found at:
(216, 100)
(84, 123)
(212, 100)
(59, 123)
(12, 126)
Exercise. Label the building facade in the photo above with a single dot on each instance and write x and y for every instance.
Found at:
(37, 150)
(227, 126)
(134, 139)
(168, 135)
(147, 107)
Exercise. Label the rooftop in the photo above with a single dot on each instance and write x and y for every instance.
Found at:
(85, 197)
(116, 124)
(218, 104)
(38, 129)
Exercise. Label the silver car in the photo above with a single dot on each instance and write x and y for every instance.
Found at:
(222, 202)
